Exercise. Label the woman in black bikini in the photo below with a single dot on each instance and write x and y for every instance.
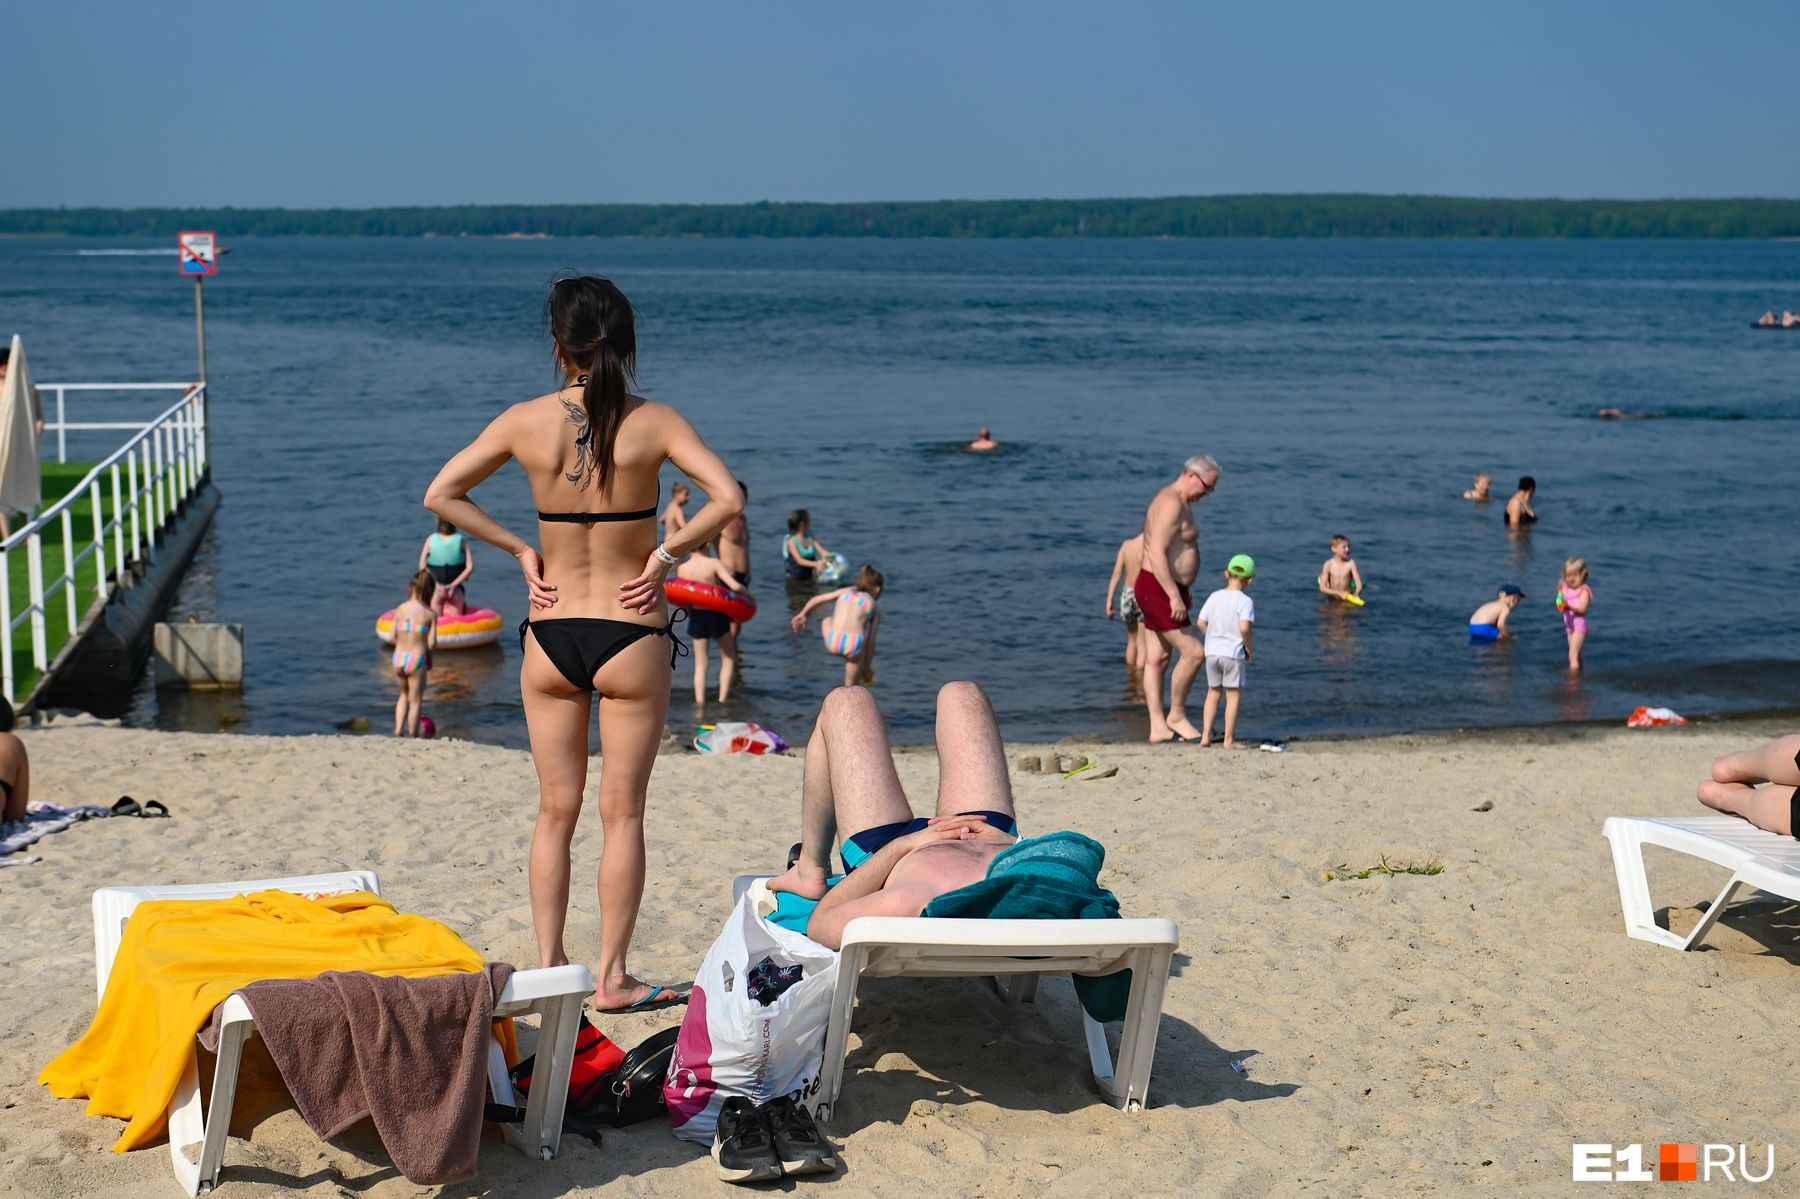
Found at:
(599, 623)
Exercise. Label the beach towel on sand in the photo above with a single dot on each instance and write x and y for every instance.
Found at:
(179, 959)
(1054, 877)
(40, 820)
(408, 1053)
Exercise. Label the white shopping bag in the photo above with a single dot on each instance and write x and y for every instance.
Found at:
(755, 1022)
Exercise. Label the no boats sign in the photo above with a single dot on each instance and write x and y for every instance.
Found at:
(199, 254)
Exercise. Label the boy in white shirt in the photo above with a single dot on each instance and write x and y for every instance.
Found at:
(1225, 620)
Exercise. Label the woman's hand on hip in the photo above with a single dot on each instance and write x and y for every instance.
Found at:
(644, 592)
(542, 594)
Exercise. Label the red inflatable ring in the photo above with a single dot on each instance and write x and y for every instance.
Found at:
(684, 593)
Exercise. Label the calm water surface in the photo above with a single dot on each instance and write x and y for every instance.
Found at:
(1349, 387)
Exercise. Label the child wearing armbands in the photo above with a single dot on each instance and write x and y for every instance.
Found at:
(1573, 598)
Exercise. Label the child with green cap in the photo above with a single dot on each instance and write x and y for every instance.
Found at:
(1225, 620)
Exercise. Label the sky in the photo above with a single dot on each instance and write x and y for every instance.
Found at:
(334, 104)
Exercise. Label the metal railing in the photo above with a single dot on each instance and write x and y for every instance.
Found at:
(146, 479)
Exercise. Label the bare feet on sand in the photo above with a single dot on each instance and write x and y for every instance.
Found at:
(808, 882)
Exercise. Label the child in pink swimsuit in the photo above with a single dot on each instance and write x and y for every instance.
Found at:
(1573, 599)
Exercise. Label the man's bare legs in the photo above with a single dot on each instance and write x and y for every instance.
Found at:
(850, 781)
(1733, 787)
(1190, 655)
(971, 759)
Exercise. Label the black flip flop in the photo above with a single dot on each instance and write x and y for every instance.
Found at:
(155, 809)
(127, 806)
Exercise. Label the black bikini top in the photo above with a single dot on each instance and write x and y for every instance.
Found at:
(596, 518)
(591, 518)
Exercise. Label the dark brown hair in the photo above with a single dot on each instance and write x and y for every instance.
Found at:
(445, 528)
(595, 331)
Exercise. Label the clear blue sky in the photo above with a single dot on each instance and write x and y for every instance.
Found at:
(325, 103)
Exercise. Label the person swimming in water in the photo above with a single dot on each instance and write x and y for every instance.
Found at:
(802, 556)
(984, 441)
(1479, 492)
(849, 632)
(1518, 509)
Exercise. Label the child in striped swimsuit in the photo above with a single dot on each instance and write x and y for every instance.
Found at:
(849, 631)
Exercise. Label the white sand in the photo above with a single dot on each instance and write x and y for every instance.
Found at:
(1444, 1035)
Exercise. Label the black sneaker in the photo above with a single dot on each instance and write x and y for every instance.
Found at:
(743, 1146)
(799, 1144)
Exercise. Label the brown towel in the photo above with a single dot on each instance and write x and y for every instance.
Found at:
(410, 1053)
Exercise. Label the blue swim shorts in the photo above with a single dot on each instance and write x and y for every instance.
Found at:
(860, 847)
(1484, 632)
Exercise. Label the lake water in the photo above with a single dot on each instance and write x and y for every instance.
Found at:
(1350, 387)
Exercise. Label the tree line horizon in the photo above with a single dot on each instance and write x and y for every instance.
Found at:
(1243, 216)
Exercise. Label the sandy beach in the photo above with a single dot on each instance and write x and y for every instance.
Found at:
(1451, 1034)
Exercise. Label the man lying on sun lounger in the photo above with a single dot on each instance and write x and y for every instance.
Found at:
(895, 863)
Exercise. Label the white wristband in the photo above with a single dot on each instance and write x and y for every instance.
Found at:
(668, 558)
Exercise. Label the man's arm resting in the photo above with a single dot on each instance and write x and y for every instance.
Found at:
(829, 920)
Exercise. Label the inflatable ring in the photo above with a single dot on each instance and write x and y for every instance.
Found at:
(472, 627)
(685, 593)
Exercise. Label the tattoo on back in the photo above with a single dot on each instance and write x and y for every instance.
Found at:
(576, 415)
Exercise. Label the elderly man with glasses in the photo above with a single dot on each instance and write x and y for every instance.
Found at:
(1171, 563)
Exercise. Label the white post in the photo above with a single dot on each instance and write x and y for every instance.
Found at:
(131, 486)
(62, 440)
(6, 629)
(118, 524)
(68, 530)
(99, 541)
(34, 586)
(158, 513)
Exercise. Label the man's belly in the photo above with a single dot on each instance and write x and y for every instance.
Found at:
(944, 867)
(1185, 565)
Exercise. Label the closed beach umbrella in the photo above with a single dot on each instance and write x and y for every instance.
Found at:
(21, 485)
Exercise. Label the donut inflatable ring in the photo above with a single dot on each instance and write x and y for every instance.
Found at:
(472, 627)
(685, 593)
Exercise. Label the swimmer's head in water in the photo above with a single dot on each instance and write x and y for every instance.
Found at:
(422, 587)
(799, 520)
(1511, 594)
(870, 580)
(1575, 572)
(1527, 483)
(1340, 542)
(445, 528)
(984, 435)
(595, 332)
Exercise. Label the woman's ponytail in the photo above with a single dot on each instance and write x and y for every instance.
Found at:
(591, 321)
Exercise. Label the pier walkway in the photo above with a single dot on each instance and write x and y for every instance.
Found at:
(99, 527)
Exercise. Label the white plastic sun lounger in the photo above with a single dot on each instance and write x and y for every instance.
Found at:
(555, 995)
(1756, 858)
(1019, 952)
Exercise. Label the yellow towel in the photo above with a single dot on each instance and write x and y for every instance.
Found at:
(180, 958)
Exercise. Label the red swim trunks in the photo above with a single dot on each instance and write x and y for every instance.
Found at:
(1155, 603)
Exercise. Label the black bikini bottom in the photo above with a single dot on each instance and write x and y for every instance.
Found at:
(578, 646)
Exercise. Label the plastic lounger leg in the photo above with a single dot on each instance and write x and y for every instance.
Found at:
(187, 1126)
(544, 1109)
(1143, 1017)
(224, 1096)
(1634, 891)
(837, 1031)
(1713, 913)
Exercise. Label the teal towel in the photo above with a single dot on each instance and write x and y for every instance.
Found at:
(1054, 877)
